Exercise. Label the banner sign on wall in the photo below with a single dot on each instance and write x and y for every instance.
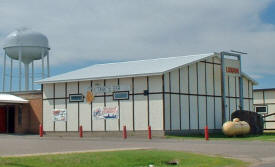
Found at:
(232, 67)
(110, 89)
(59, 115)
(105, 113)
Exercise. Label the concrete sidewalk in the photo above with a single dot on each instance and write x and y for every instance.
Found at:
(257, 152)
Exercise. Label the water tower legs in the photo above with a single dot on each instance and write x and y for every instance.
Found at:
(4, 71)
(48, 65)
(42, 58)
(20, 61)
(26, 76)
(11, 75)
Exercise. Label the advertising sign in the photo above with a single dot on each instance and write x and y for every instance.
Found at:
(232, 67)
(59, 115)
(89, 97)
(110, 89)
(122, 95)
(105, 113)
(76, 98)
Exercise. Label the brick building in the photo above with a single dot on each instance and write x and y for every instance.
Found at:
(20, 112)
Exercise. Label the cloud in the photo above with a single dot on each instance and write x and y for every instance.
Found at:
(92, 30)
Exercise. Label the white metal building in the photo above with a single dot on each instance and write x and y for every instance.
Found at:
(175, 94)
(264, 103)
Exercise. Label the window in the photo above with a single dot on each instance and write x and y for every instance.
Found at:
(19, 116)
(261, 109)
(123, 95)
(76, 98)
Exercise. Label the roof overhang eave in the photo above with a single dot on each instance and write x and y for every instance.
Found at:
(14, 102)
(98, 78)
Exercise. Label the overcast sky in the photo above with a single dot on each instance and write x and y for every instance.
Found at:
(84, 32)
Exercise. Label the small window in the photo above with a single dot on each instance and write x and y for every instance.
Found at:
(19, 116)
(123, 95)
(261, 109)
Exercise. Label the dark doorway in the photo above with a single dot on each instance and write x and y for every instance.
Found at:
(3, 120)
(10, 118)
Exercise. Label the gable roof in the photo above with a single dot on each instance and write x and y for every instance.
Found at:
(147, 67)
(126, 69)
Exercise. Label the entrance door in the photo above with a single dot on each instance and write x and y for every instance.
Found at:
(10, 119)
(3, 122)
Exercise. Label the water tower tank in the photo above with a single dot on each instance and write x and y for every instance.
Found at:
(26, 45)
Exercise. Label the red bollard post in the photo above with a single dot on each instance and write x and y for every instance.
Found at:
(124, 132)
(206, 133)
(149, 133)
(41, 130)
(80, 131)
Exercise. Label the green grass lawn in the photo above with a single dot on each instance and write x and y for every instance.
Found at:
(267, 136)
(136, 158)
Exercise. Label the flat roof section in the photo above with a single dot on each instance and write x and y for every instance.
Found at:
(8, 98)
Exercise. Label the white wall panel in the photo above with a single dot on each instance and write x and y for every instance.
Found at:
(217, 76)
(167, 101)
(232, 86)
(209, 79)
(140, 84)
(193, 112)
(167, 111)
(227, 109)
(85, 113)
(238, 104)
(258, 97)
(155, 83)
(237, 87)
(217, 60)
(141, 113)
(246, 104)
(60, 125)
(193, 78)
(156, 111)
(226, 86)
(184, 112)
(174, 81)
(112, 124)
(210, 112)
(72, 116)
(98, 125)
(85, 116)
(98, 83)
(218, 113)
(201, 78)
(232, 106)
(126, 81)
(175, 112)
(209, 60)
(84, 86)
(47, 91)
(202, 112)
(250, 89)
(184, 79)
(60, 90)
(271, 110)
(72, 88)
(126, 113)
(47, 115)
(111, 82)
(269, 96)
(245, 87)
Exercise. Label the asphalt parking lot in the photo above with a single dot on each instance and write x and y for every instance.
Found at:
(258, 152)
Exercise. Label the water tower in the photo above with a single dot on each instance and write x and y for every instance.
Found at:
(25, 46)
